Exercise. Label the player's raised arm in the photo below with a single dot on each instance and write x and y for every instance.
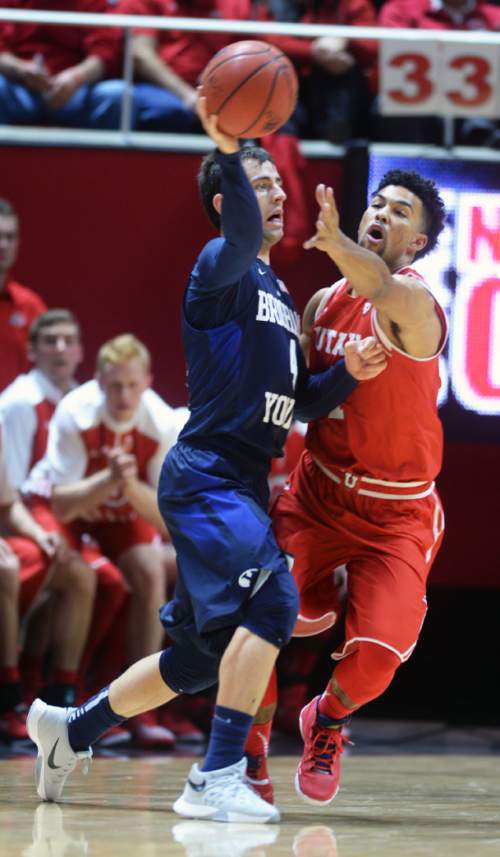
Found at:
(391, 234)
(233, 209)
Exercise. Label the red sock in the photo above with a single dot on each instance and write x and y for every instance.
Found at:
(257, 743)
(271, 693)
(64, 677)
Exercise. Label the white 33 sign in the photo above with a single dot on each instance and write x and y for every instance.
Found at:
(447, 79)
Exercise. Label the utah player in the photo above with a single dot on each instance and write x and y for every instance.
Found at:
(363, 493)
(235, 602)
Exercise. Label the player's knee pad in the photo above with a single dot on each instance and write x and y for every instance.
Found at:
(367, 672)
(187, 670)
(272, 611)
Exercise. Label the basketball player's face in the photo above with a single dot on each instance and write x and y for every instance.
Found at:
(268, 187)
(392, 226)
(57, 352)
(123, 385)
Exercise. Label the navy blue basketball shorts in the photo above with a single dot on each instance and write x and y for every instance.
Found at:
(231, 571)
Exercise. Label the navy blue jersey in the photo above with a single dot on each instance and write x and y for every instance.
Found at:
(241, 338)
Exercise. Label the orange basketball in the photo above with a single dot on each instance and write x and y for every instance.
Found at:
(251, 86)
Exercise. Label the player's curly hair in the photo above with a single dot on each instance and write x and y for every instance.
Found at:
(210, 173)
(428, 194)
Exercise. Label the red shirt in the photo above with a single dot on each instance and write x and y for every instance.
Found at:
(431, 15)
(186, 53)
(19, 306)
(388, 428)
(353, 13)
(61, 46)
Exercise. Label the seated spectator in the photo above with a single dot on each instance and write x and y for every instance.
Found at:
(168, 63)
(19, 306)
(107, 441)
(335, 74)
(438, 15)
(33, 559)
(28, 403)
(26, 407)
(55, 73)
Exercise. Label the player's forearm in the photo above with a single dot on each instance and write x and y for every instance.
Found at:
(143, 500)
(10, 65)
(149, 66)
(241, 227)
(367, 273)
(241, 217)
(317, 395)
(75, 500)
(90, 70)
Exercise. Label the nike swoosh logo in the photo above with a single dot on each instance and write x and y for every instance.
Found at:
(50, 760)
(197, 787)
(263, 273)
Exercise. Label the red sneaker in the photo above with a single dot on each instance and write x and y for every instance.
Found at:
(318, 773)
(182, 727)
(258, 777)
(147, 732)
(13, 724)
(114, 737)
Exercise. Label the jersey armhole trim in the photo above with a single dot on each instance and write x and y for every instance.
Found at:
(389, 346)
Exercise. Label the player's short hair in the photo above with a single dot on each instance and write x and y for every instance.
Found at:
(428, 194)
(7, 209)
(210, 174)
(123, 349)
(57, 315)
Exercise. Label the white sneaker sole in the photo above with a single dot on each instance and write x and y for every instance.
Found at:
(191, 810)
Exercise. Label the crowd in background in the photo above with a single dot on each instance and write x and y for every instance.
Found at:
(71, 76)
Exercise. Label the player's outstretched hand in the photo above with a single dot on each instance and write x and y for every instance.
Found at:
(327, 224)
(224, 142)
(365, 358)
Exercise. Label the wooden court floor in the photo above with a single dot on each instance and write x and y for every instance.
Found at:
(389, 806)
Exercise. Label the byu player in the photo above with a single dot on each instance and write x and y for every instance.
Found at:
(235, 603)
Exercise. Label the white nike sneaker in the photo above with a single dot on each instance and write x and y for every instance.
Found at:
(209, 839)
(223, 795)
(48, 729)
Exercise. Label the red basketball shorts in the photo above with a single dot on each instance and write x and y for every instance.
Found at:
(96, 540)
(387, 545)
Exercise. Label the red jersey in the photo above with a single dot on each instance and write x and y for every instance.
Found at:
(388, 428)
(82, 431)
(61, 46)
(186, 53)
(351, 13)
(19, 306)
(433, 15)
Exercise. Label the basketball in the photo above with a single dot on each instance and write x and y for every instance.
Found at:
(251, 86)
